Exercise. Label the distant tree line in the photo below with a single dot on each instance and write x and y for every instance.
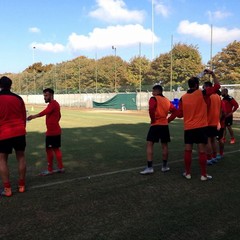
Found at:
(113, 74)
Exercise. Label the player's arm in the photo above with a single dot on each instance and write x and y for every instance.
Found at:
(176, 113)
(29, 118)
(152, 108)
(235, 105)
(47, 110)
(214, 89)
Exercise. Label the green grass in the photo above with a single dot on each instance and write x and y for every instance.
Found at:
(116, 202)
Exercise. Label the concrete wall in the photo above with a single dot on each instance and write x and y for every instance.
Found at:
(85, 99)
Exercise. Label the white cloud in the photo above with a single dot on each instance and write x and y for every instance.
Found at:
(161, 9)
(34, 30)
(115, 11)
(48, 47)
(103, 38)
(203, 31)
(218, 15)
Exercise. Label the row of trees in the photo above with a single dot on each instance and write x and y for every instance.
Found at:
(112, 73)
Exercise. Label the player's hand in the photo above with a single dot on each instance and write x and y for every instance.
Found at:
(29, 118)
(208, 71)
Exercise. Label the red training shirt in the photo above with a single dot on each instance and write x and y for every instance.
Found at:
(12, 115)
(53, 116)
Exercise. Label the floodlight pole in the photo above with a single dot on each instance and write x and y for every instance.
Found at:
(115, 69)
(171, 74)
(211, 47)
(34, 76)
(140, 77)
(96, 71)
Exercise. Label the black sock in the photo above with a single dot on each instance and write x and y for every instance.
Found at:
(149, 164)
(164, 163)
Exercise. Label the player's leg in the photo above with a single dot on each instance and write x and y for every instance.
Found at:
(50, 156)
(165, 139)
(4, 172)
(19, 145)
(56, 144)
(188, 160)
(151, 138)
(188, 140)
(58, 154)
(202, 157)
(165, 167)
(22, 167)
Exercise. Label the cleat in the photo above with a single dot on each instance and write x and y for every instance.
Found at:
(147, 171)
(218, 157)
(232, 141)
(45, 173)
(205, 178)
(187, 176)
(209, 162)
(165, 169)
(59, 170)
(7, 192)
(214, 160)
(21, 189)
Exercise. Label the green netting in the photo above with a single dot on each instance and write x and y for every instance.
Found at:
(125, 101)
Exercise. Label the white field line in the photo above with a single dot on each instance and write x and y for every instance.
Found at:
(105, 174)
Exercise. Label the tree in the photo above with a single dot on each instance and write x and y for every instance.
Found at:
(186, 62)
(227, 64)
(138, 68)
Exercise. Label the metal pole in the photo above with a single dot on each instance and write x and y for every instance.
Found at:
(171, 74)
(211, 47)
(96, 71)
(34, 75)
(140, 77)
(115, 68)
(152, 29)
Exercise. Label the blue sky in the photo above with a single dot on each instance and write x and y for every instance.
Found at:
(53, 31)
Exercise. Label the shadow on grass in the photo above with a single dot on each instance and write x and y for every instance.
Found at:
(123, 206)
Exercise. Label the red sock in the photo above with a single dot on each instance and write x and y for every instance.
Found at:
(21, 182)
(214, 155)
(209, 156)
(7, 184)
(203, 163)
(58, 154)
(188, 160)
(50, 157)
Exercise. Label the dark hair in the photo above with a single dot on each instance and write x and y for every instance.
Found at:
(192, 82)
(158, 87)
(208, 84)
(48, 90)
(5, 82)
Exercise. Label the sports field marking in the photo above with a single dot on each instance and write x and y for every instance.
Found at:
(105, 174)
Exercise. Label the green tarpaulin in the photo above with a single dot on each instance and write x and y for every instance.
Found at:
(123, 101)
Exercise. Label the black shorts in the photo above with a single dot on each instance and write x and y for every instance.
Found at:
(220, 133)
(158, 132)
(197, 135)
(16, 143)
(229, 120)
(212, 131)
(53, 141)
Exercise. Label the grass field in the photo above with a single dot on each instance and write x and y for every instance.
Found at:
(102, 196)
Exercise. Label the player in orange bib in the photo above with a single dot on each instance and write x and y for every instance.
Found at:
(159, 107)
(193, 108)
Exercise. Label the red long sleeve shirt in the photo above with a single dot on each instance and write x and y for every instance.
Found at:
(230, 103)
(12, 115)
(53, 116)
